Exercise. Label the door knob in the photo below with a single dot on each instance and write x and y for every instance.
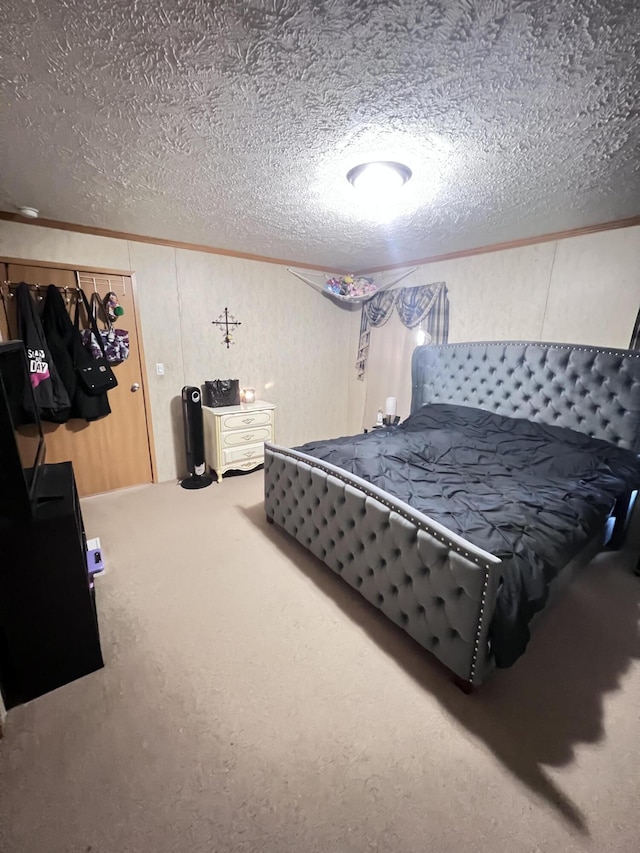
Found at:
(135, 386)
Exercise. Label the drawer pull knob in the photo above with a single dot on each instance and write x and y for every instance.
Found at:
(248, 420)
(248, 437)
(248, 453)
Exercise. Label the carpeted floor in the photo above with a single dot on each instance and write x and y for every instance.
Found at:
(252, 702)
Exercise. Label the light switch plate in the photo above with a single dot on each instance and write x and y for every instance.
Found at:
(160, 369)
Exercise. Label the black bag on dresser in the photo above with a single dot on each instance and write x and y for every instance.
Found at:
(221, 392)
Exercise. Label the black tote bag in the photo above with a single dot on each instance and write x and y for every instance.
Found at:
(66, 342)
(58, 327)
(94, 374)
(222, 392)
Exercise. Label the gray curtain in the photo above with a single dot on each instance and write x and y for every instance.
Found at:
(415, 305)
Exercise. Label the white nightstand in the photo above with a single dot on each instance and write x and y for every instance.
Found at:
(234, 436)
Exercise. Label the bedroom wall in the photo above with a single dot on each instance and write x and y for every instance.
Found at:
(292, 346)
(579, 290)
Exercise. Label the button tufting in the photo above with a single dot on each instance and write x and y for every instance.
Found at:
(583, 407)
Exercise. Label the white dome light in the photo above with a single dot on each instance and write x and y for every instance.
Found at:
(29, 212)
(380, 178)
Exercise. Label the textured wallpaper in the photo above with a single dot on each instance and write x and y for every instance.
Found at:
(298, 349)
(583, 290)
(292, 346)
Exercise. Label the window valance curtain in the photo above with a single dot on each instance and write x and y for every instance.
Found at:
(427, 304)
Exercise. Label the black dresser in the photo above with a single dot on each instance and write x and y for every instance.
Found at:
(48, 622)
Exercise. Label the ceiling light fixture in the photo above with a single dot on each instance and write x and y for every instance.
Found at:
(29, 212)
(381, 177)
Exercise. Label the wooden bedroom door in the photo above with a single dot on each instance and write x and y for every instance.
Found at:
(114, 452)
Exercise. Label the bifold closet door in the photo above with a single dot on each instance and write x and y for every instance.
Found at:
(114, 452)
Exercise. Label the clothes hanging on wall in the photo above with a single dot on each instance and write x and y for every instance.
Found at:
(66, 343)
(50, 393)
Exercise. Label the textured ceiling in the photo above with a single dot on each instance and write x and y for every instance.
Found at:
(233, 124)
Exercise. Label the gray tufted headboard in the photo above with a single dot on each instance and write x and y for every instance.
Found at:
(588, 389)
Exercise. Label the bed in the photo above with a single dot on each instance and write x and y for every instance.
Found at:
(519, 462)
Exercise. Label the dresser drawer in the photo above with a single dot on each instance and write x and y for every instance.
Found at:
(242, 420)
(244, 454)
(250, 436)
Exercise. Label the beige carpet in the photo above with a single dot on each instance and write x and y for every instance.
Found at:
(252, 702)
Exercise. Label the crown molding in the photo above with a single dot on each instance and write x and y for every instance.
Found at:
(247, 256)
(157, 241)
(509, 244)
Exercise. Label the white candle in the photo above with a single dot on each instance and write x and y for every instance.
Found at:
(390, 406)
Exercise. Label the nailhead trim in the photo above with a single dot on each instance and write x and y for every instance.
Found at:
(598, 351)
(489, 397)
(476, 645)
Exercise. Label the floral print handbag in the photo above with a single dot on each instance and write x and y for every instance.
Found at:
(115, 342)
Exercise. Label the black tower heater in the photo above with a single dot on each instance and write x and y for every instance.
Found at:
(194, 439)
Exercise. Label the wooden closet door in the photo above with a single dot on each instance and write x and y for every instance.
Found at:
(114, 452)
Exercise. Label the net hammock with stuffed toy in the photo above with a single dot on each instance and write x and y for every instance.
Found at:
(351, 289)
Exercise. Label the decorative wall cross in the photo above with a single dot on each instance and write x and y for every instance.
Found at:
(226, 322)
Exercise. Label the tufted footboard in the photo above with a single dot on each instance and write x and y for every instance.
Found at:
(435, 585)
